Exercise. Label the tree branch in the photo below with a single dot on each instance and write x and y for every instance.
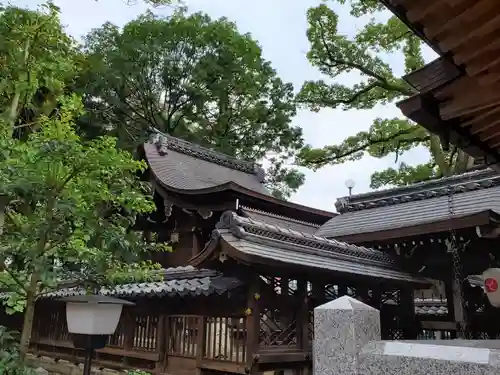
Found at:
(383, 82)
(368, 143)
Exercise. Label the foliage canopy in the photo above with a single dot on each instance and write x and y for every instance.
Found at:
(333, 54)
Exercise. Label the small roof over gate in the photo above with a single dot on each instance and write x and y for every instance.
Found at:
(256, 243)
(422, 207)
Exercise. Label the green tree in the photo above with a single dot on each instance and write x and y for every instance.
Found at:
(72, 204)
(334, 54)
(68, 205)
(192, 77)
(32, 75)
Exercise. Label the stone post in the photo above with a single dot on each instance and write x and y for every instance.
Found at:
(341, 328)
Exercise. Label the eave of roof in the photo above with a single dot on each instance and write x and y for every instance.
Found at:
(400, 11)
(185, 167)
(177, 282)
(254, 242)
(417, 209)
(280, 221)
(424, 110)
(198, 171)
(464, 105)
(466, 182)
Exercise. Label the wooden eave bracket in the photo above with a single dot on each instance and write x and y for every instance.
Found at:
(425, 112)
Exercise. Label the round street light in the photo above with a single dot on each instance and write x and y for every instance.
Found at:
(91, 319)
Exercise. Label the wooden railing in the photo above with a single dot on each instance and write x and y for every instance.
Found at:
(225, 339)
(146, 341)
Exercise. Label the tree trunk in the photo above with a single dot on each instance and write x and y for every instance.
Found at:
(463, 162)
(29, 314)
(439, 156)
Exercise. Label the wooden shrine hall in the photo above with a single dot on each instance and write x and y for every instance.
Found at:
(414, 224)
(457, 93)
(238, 291)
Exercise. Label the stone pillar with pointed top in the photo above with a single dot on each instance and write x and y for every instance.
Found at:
(341, 328)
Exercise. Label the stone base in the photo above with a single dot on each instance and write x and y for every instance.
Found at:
(411, 358)
(63, 367)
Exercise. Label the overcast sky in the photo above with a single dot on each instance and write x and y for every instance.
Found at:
(280, 27)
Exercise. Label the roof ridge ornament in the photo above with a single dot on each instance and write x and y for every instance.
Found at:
(164, 142)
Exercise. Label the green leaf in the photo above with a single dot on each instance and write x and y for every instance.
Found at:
(367, 54)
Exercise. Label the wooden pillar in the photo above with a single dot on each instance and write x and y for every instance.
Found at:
(318, 294)
(196, 248)
(376, 300)
(161, 343)
(200, 341)
(407, 311)
(455, 308)
(253, 323)
(129, 327)
(342, 290)
(302, 316)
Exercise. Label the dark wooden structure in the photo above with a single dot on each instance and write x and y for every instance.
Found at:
(414, 222)
(457, 93)
(239, 289)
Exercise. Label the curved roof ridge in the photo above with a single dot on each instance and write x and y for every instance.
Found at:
(165, 141)
(230, 220)
(469, 181)
(280, 216)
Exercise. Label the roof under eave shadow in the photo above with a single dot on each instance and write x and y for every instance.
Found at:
(258, 244)
(417, 209)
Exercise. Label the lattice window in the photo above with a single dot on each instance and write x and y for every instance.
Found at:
(331, 292)
(183, 335)
(395, 334)
(391, 298)
(118, 339)
(274, 283)
(225, 339)
(352, 292)
(276, 329)
(146, 332)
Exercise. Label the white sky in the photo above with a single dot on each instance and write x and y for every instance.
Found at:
(280, 27)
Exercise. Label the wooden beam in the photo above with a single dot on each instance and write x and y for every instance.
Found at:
(438, 325)
(463, 15)
(433, 75)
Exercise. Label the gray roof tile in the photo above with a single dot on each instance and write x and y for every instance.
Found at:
(178, 281)
(184, 166)
(280, 221)
(435, 307)
(296, 248)
(470, 181)
(411, 213)
(421, 203)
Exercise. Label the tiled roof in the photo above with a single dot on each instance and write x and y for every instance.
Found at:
(178, 281)
(426, 202)
(279, 221)
(434, 307)
(184, 166)
(272, 243)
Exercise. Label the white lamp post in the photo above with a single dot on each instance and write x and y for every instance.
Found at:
(91, 319)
